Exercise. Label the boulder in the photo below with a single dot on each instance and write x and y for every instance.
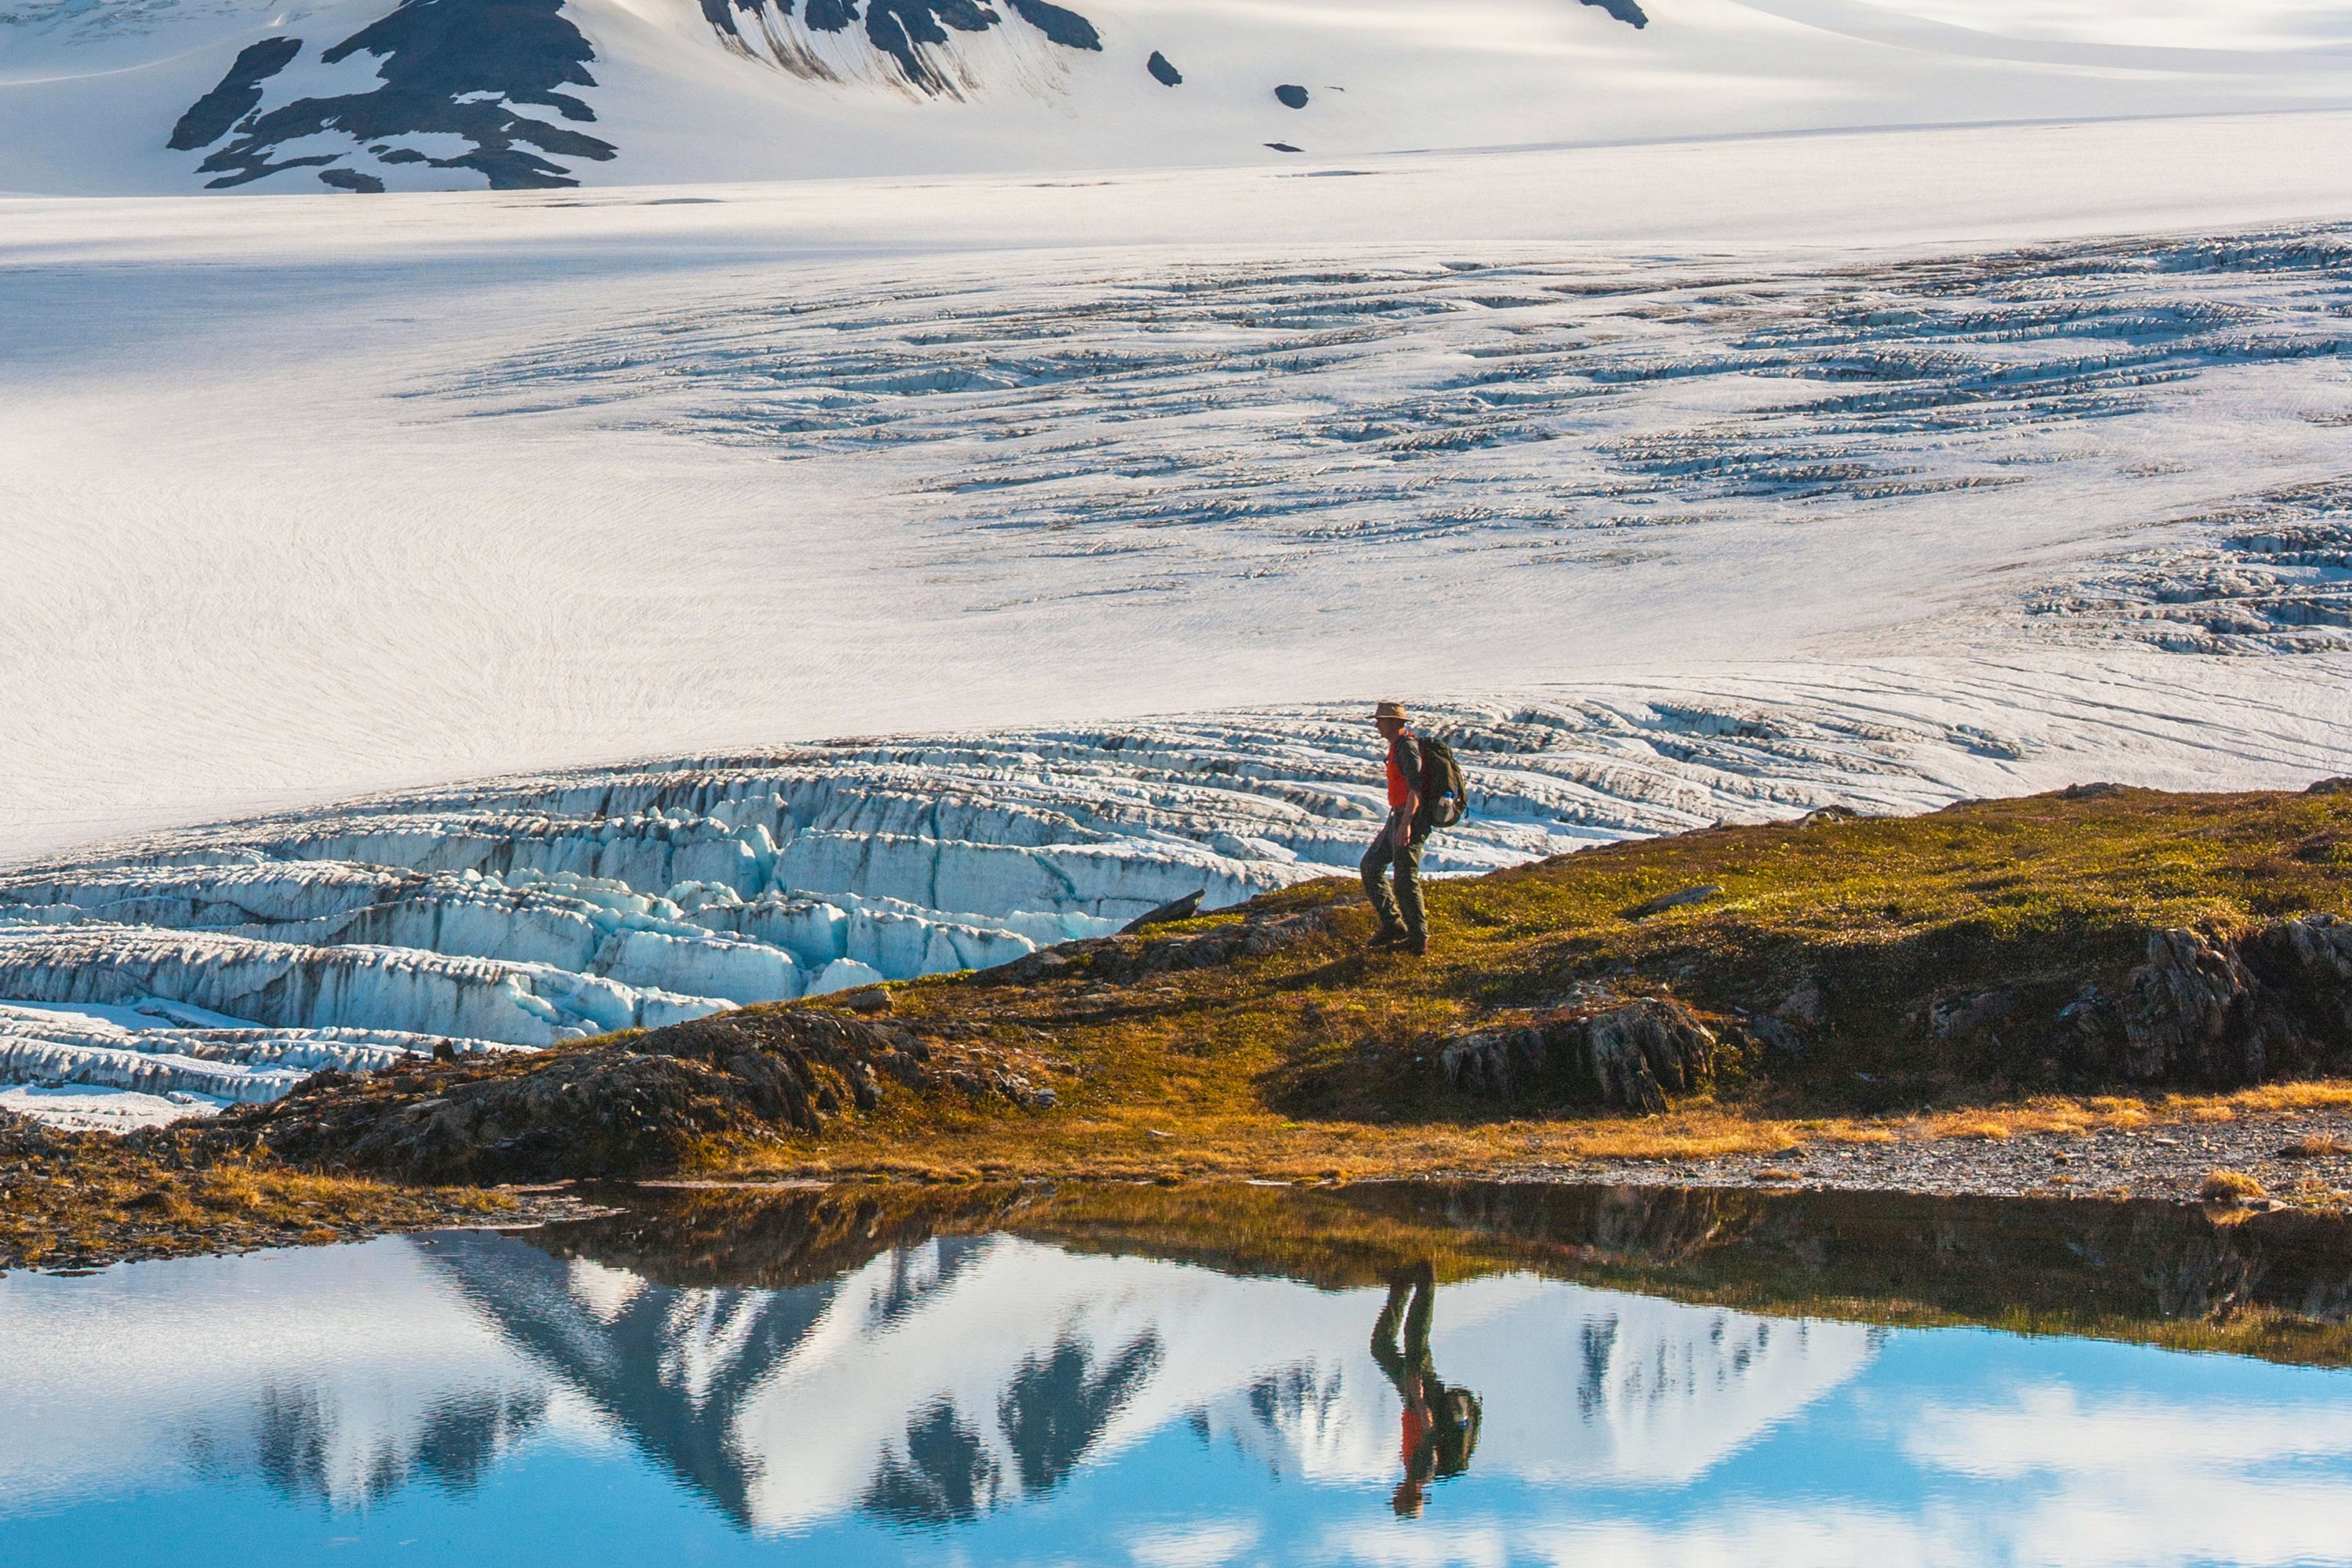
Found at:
(1628, 1055)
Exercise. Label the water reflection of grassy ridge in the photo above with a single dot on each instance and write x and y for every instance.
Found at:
(2276, 1286)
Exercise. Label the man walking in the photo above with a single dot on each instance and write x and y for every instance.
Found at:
(1402, 922)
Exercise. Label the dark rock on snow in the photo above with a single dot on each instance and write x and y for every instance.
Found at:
(1064, 28)
(1292, 95)
(898, 28)
(211, 117)
(1626, 11)
(455, 67)
(1163, 73)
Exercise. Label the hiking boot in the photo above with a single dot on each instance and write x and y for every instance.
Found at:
(1388, 936)
(1416, 945)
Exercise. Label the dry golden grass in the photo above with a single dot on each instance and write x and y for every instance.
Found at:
(2316, 1146)
(2229, 1187)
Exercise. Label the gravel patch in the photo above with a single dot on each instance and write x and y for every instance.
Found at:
(2160, 1162)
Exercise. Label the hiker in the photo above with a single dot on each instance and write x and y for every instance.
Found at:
(1441, 1425)
(1425, 792)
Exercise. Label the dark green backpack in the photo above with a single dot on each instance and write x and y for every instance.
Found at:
(1443, 794)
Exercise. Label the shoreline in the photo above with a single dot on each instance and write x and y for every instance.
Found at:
(2160, 1161)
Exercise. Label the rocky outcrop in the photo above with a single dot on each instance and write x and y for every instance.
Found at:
(2180, 1005)
(2211, 1008)
(629, 1107)
(1591, 1050)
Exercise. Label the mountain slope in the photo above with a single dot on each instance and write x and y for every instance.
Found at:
(133, 95)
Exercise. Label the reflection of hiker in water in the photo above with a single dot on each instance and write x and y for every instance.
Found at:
(1441, 1423)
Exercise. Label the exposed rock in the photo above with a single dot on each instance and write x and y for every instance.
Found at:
(633, 1106)
(2092, 1014)
(1806, 1007)
(2319, 943)
(1677, 901)
(2097, 790)
(2329, 786)
(1168, 913)
(462, 70)
(1646, 1044)
(1120, 960)
(1628, 1056)
(1955, 1014)
(2177, 1009)
(1063, 25)
(1822, 816)
(212, 116)
(1165, 74)
(1291, 95)
(1626, 11)
(1778, 1033)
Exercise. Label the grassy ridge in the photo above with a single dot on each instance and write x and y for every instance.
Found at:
(1313, 1059)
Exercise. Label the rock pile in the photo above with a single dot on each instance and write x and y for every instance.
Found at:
(627, 1106)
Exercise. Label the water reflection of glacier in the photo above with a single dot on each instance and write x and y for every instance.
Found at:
(934, 1384)
(941, 1381)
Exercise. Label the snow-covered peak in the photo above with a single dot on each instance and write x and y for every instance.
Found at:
(369, 95)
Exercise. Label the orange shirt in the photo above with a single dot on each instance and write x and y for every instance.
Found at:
(1399, 793)
(1416, 1427)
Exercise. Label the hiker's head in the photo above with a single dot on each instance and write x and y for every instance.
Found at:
(1390, 718)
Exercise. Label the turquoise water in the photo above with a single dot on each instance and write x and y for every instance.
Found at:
(996, 1398)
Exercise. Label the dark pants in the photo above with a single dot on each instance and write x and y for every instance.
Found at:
(1390, 849)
